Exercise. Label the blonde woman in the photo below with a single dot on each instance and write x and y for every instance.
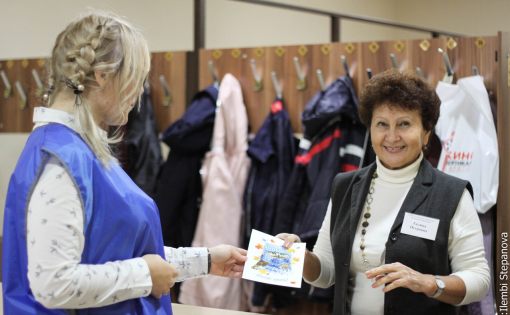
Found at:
(78, 233)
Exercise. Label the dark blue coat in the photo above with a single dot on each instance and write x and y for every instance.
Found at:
(335, 138)
(272, 155)
(179, 188)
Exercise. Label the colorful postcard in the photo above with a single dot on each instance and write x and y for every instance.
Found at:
(270, 262)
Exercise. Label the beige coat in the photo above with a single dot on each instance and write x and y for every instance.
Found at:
(224, 173)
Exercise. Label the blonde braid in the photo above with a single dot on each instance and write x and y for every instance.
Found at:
(97, 42)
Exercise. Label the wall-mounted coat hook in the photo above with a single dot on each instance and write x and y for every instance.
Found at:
(7, 84)
(214, 73)
(256, 76)
(40, 88)
(320, 77)
(419, 72)
(22, 95)
(276, 85)
(343, 60)
(167, 96)
(448, 77)
(394, 62)
(474, 70)
(301, 75)
(369, 73)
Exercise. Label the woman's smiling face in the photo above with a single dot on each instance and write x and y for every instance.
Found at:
(398, 136)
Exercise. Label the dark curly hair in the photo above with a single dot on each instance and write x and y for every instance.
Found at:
(403, 90)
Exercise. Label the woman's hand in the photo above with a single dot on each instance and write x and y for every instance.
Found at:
(397, 275)
(312, 265)
(163, 275)
(289, 239)
(227, 261)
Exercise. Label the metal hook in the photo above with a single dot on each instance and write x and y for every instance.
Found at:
(167, 96)
(474, 70)
(256, 76)
(448, 77)
(276, 85)
(320, 77)
(420, 73)
(369, 73)
(343, 60)
(394, 62)
(22, 95)
(40, 89)
(301, 75)
(7, 84)
(213, 72)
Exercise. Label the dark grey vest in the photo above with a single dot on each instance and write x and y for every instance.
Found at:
(432, 194)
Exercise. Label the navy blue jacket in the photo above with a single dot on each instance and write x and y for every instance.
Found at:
(179, 188)
(272, 155)
(336, 137)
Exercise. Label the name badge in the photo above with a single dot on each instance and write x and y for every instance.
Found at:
(420, 226)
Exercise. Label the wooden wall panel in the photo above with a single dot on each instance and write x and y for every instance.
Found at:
(423, 53)
(8, 107)
(13, 118)
(479, 52)
(352, 53)
(172, 65)
(35, 94)
(409, 54)
(256, 97)
(14, 115)
(374, 56)
(24, 112)
(280, 60)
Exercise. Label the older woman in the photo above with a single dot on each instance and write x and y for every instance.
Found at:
(78, 233)
(399, 236)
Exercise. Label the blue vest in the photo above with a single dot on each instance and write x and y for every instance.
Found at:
(120, 220)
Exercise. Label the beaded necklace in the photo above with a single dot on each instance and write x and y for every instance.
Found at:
(365, 224)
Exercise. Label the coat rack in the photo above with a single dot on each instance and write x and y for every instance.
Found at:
(22, 85)
(333, 60)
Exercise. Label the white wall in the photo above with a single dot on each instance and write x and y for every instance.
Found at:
(28, 28)
(471, 17)
(236, 24)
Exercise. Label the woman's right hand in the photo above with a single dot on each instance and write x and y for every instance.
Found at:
(163, 275)
(289, 239)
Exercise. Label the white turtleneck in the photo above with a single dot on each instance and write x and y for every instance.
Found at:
(465, 243)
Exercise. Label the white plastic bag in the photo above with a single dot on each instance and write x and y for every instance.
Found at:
(468, 137)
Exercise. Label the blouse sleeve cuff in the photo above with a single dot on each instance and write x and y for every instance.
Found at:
(325, 276)
(191, 262)
(141, 276)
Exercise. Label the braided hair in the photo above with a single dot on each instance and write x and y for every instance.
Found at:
(100, 42)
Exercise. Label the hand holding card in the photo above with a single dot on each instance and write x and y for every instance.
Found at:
(270, 262)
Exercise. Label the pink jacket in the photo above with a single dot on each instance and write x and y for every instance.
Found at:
(224, 173)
